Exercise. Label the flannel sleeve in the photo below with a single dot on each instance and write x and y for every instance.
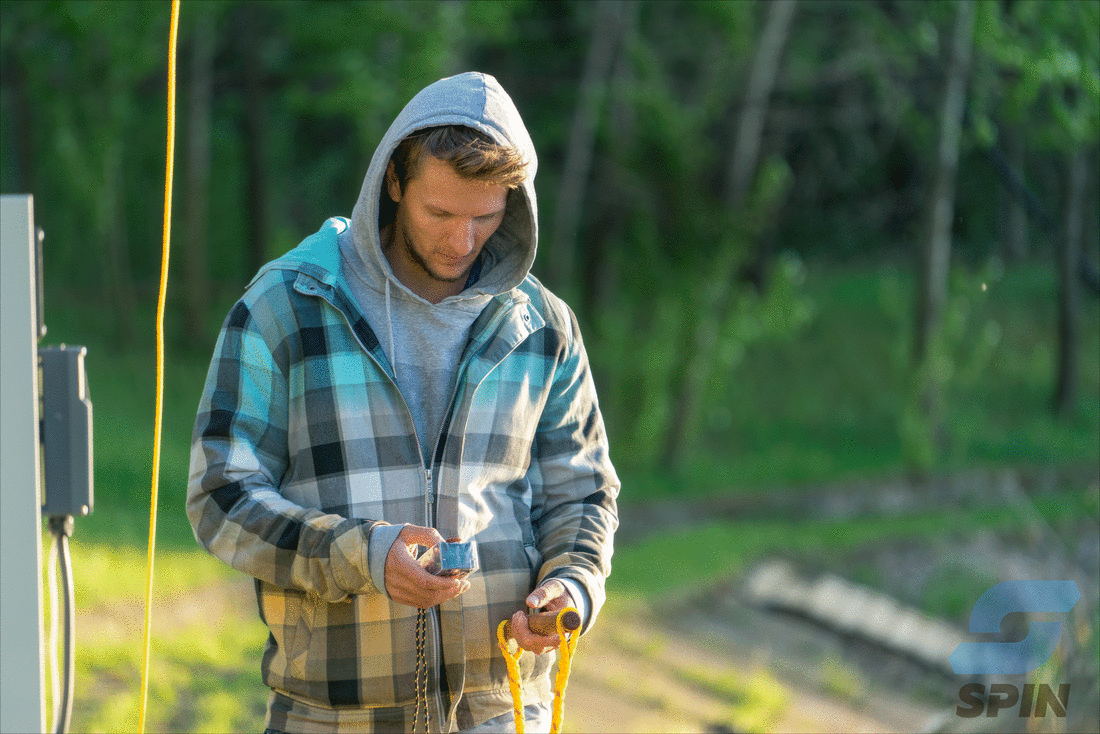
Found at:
(239, 454)
(575, 487)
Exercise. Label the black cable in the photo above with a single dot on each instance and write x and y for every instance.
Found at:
(62, 529)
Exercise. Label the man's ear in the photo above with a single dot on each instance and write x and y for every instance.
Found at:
(393, 187)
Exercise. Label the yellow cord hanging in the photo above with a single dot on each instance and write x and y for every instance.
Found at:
(512, 661)
(567, 645)
(172, 35)
(566, 648)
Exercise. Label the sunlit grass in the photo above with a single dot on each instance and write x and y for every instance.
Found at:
(206, 642)
(755, 699)
(205, 647)
(825, 403)
(202, 678)
(669, 565)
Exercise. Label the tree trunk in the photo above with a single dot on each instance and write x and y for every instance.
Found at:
(1014, 224)
(717, 289)
(1069, 317)
(935, 256)
(603, 272)
(196, 271)
(602, 47)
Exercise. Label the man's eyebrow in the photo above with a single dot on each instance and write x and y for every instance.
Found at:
(438, 209)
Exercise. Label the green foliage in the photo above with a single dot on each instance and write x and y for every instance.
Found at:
(956, 359)
(827, 401)
(846, 154)
(1041, 67)
(951, 592)
(808, 372)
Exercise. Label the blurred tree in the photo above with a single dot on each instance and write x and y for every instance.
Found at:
(655, 217)
(86, 128)
(603, 48)
(195, 278)
(1043, 77)
(935, 255)
(670, 171)
(1013, 218)
(1069, 310)
(717, 283)
(253, 45)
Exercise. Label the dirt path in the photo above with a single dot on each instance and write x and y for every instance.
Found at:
(682, 672)
(710, 664)
(697, 674)
(658, 677)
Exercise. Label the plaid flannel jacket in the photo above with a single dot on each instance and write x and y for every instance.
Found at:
(303, 444)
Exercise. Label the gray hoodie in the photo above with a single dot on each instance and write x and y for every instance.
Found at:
(424, 341)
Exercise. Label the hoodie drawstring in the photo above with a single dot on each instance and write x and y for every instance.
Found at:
(389, 324)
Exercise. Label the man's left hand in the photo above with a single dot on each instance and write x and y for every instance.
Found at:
(551, 596)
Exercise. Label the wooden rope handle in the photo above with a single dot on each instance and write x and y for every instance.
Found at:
(546, 623)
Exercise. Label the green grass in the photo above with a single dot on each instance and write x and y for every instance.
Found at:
(204, 667)
(755, 699)
(203, 677)
(672, 564)
(826, 403)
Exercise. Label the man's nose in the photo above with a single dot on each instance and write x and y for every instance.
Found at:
(462, 237)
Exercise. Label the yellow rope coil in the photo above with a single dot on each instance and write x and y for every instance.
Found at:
(171, 144)
(567, 645)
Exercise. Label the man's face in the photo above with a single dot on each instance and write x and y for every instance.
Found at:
(442, 222)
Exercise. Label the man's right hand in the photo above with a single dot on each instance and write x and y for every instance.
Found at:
(407, 582)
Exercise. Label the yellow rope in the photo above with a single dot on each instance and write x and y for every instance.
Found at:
(171, 144)
(567, 645)
(512, 661)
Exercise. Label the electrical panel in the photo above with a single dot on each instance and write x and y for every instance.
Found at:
(66, 432)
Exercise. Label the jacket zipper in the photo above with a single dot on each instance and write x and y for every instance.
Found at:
(429, 493)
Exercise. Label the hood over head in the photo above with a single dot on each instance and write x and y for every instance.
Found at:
(477, 101)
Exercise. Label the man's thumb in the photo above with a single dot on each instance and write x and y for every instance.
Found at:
(540, 597)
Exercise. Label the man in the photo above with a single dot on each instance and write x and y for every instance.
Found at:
(398, 379)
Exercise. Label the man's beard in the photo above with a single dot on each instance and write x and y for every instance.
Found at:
(416, 257)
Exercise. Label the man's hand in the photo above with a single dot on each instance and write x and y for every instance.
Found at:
(551, 596)
(407, 582)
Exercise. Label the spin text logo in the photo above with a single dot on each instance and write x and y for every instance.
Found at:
(1014, 658)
